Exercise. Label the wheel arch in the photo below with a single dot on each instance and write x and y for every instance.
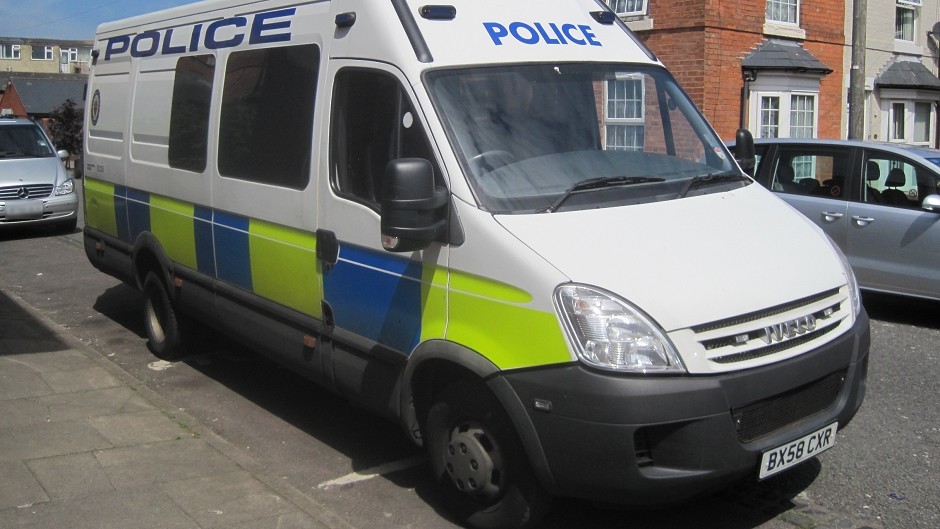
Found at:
(148, 255)
(437, 364)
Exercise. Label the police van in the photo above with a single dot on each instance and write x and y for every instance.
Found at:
(501, 224)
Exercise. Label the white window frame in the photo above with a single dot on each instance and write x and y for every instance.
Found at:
(905, 6)
(788, 124)
(10, 51)
(781, 6)
(48, 53)
(638, 7)
(633, 123)
(69, 54)
(903, 129)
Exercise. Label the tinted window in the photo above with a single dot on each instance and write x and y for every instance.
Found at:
(894, 181)
(189, 113)
(266, 124)
(373, 123)
(809, 171)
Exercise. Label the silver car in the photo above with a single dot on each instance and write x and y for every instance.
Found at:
(34, 185)
(878, 201)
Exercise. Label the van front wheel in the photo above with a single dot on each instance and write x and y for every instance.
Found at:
(478, 458)
(165, 336)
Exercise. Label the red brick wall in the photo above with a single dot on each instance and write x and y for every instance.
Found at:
(704, 41)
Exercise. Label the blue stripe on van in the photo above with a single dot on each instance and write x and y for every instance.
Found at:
(376, 295)
(233, 261)
(138, 213)
(202, 232)
(120, 213)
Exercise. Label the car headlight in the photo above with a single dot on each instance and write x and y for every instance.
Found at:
(65, 188)
(609, 333)
(855, 296)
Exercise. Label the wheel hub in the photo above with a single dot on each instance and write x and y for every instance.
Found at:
(473, 462)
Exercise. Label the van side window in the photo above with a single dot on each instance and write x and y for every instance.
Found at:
(373, 124)
(189, 112)
(266, 124)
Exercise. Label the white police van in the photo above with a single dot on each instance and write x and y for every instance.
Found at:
(502, 224)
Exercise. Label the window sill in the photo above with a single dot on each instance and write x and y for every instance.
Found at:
(780, 29)
(638, 23)
(908, 48)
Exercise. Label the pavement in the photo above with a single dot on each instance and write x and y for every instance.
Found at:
(84, 445)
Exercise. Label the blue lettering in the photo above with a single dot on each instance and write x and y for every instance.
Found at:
(586, 30)
(496, 31)
(566, 29)
(558, 33)
(533, 37)
(238, 38)
(545, 37)
(194, 38)
(260, 25)
(167, 48)
(117, 45)
(154, 39)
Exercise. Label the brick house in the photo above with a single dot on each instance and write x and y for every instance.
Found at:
(774, 66)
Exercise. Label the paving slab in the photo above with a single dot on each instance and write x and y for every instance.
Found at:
(70, 476)
(18, 487)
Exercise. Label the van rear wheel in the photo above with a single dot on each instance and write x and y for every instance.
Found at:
(477, 457)
(164, 325)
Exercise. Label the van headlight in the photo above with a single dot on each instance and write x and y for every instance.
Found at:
(609, 333)
(65, 188)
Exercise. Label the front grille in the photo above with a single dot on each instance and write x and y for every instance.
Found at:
(769, 415)
(30, 191)
(765, 336)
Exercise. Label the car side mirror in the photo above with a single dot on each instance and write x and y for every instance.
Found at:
(744, 150)
(63, 154)
(414, 209)
(931, 203)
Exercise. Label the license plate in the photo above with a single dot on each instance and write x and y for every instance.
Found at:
(794, 453)
(23, 209)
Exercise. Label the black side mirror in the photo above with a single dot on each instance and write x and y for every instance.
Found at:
(414, 210)
(744, 150)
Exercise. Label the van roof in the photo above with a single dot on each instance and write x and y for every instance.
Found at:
(460, 32)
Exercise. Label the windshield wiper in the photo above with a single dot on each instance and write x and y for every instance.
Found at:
(708, 179)
(599, 183)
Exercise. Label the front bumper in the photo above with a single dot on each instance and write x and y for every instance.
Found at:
(648, 440)
(55, 210)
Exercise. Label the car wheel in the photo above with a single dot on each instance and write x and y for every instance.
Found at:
(164, 324)
(477, 457)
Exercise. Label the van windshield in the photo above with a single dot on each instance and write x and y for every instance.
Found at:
(23, 141)
(549, 137)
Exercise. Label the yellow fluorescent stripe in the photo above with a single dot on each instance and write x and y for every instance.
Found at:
(509, 335)
(284, 266)
(99, 206)
(433, 302)
(171, 221)
(488, 288)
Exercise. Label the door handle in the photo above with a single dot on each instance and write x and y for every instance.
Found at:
(862, 221)
(830, 216)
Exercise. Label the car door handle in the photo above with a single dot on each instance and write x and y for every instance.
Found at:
(862, 221)
(830, 216)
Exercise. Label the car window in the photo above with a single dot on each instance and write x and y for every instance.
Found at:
(806, 171)
(893, 181)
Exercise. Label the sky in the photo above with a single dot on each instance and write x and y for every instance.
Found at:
(70, 19)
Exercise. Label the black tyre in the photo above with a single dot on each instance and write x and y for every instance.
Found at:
(479, 461)
(164, 325)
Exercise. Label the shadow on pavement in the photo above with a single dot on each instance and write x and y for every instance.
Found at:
(21, 333)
